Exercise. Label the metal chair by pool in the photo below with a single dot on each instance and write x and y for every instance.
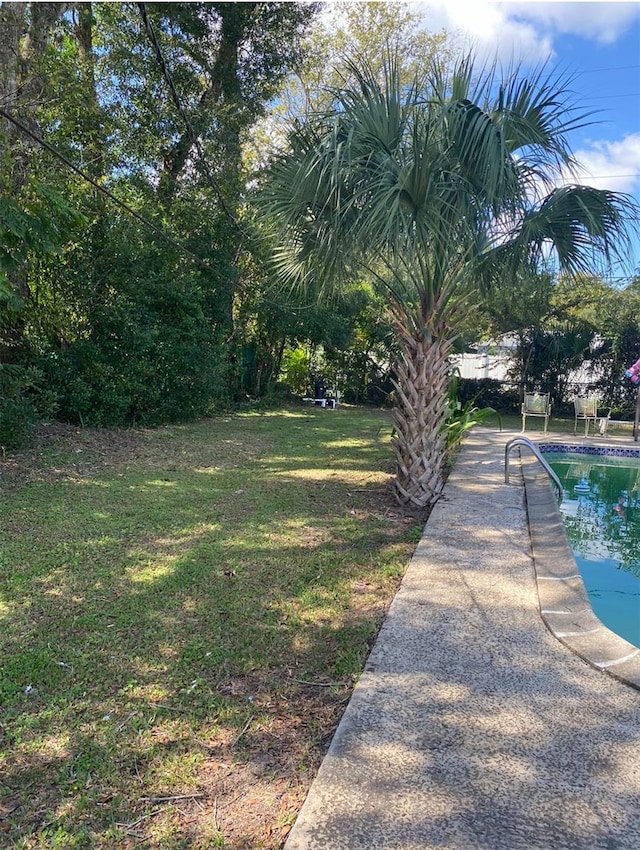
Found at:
(536, 404)
(587, 409)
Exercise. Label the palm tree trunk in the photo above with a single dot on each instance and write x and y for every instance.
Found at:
(422, 381)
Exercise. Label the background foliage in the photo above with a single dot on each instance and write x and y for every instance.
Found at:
(161, 305)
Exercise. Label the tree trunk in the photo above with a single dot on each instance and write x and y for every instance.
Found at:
(24, 30)
(221, 105)
(12, 27)
(93, 124)
(422, 381)
(221, 96)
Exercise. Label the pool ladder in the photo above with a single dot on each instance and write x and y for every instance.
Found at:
(525, 441)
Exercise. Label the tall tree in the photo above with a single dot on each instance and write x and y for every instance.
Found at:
(617, 319)
(548, 319)
(426, 186)
(24, 34)
(152, 102)
(366, 30)
(187, 81)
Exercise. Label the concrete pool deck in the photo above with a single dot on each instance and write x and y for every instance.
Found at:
(472, 726)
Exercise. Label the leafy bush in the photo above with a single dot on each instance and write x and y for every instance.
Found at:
(462, 417)
(22, 402)
(487, 392)
(295, 368)
(144, 362)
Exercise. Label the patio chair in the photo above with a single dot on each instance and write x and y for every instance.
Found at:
(536, 404)
(587, 409)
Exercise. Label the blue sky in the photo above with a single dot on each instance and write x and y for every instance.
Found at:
(598, 43)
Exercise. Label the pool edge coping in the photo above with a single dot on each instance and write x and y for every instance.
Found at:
(563, 602)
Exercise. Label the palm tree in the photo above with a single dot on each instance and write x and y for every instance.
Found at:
(431, 188)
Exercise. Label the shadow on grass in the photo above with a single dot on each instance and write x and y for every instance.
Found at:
(174, 594)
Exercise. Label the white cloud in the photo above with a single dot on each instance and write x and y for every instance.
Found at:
(524, 31)
(611, 165)
(600, 22)
(487, 28)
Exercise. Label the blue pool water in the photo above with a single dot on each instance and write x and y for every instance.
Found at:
(601, 511)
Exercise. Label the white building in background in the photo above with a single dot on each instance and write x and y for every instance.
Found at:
(479, 366)
(494, 360)
(490, 360)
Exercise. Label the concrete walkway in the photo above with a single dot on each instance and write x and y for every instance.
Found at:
(472, 726)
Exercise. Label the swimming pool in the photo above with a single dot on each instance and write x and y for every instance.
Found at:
(601, 512)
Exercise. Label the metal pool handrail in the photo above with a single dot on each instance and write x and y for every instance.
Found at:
(525, 441)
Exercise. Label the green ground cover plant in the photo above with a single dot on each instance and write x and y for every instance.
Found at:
(183, 614)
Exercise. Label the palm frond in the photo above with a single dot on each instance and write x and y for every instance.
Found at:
(434, 176)
(582, 224)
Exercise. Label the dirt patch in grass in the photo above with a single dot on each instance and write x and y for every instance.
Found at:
(186, 611)
(252, 787)
(58, 451)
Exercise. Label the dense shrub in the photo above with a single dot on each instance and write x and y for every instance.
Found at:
(295, 371)
(144, 362)
(23, 400)
(486, 392)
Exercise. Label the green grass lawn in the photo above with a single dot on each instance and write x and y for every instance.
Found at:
(183, 614)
